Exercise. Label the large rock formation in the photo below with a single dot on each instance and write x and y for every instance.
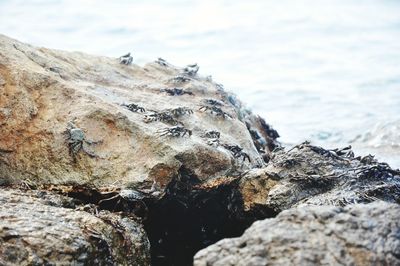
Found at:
(362, 234)
(98, 149)
(311, 175)
(43, 92)
(45, 229)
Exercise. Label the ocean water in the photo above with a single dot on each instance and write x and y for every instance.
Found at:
(326, 71)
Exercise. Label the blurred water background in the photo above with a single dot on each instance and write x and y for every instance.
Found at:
(326, 71)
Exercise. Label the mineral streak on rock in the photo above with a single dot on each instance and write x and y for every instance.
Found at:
(360, 234)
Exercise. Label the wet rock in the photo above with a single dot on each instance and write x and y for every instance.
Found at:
(37, 228)
(311, 175)
(44, 91)
(361, 234)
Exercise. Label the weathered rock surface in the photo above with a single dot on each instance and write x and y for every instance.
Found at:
(38, 228)
(311, 175)
(93, 129)
(361, 234)
(41, 90)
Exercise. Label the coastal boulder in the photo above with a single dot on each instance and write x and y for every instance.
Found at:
(69, 117)
(361, 234)
(40, 228)
(312, 175)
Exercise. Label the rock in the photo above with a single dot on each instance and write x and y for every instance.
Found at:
(311, 175)
(44, 91)
(361, 234)
(108, 148)
(39, 228)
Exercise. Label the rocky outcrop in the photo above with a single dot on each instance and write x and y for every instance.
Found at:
(93, 150)
(361, 234)
(38, 228)
(122, 113)
(311, 175)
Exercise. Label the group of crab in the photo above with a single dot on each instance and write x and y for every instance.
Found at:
(169, 116)
(76, 138)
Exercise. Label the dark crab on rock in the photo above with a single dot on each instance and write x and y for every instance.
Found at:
(180, 79)
(176, 91)
(213, 102)
(127, 200)
(166, 117)
(214, 110)
(126, 59)
(176, 131)
(237, 151)
(181, 111)
(134, 108)
(77, 141)
(191, 70)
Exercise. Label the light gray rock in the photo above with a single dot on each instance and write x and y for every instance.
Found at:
(35, 229)
(361, 234)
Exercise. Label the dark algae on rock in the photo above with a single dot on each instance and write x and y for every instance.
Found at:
(151, 165)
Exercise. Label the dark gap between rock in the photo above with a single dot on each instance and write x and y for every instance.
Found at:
(191, 217)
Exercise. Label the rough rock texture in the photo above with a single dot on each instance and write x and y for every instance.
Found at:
(95, 130)
(362, 234)
(311, 175)
(41, 90)
(37, 228)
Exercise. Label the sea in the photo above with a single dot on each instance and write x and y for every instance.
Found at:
(327, 71)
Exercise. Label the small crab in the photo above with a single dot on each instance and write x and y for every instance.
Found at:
(76, 141)
(215, 111)
(213, 142)
(213, 137)
(126, 59)
(180, 111)
(176, 131)
(176, 92)
(191, 70)
(212, 134)
(134, 108)
(161, 62)
(127, 200)
(237, 151)
(213, 102)
(180, 79)
(165, 116)
(219, 86)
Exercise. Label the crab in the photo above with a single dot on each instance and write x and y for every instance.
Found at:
(213, 102)
(180, 79)
(176, 131)
(212, 134)
(180, 111)
(127, 200)
(126, 59)
(165, 116)
(134, 108)
(76, 141)
(219, 86)
(215, 110)
(161, 62)
(237, 151)
(191, 70)
(176, 92)
(213, 137)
